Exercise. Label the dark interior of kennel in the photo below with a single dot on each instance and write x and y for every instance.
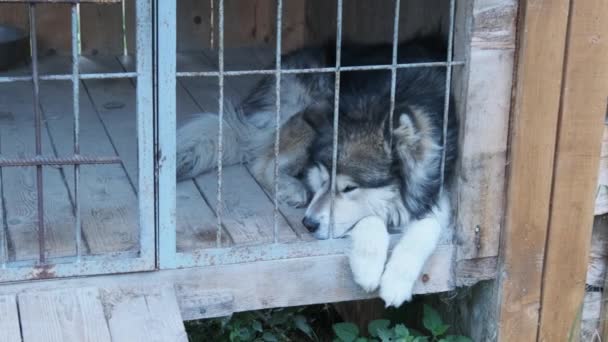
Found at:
(108, 122)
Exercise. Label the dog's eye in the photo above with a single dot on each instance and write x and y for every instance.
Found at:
(350, 188)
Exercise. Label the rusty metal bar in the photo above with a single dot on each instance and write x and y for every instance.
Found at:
(277, 141)
(68, 77)
(394, 68)
(220, 145)
(76, 109)
(57, 161)
(448, 86)
(38, 132)
(334, 158)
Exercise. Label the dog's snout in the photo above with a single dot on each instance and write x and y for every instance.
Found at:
(310, 224)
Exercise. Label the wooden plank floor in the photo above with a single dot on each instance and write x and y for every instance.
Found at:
(108, 193)
(88, 314)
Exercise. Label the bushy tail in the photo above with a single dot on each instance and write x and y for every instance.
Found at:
(198, 140)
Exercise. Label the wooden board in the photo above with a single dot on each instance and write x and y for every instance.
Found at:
(72, 315)
(196, 222)
(17, 140)
(144, 315)
(253, 286)
(109, 207)
(101, 29)
(9, 320)
(582, 115)
(542, 27)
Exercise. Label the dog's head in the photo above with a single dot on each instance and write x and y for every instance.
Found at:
(366, 183)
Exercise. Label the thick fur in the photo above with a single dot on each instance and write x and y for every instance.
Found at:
(388, 172)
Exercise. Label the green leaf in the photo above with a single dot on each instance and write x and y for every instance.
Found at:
(457, 338)
(347, 332)
(269, 337)
(257, 326)
(302, 325)
(245, 334)
(440, 330)
(421, 339)
(361, 339)
(376, 325)
(385, 335)
(401, 331)
(431, 320)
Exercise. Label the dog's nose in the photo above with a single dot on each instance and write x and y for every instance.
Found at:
(310, 224)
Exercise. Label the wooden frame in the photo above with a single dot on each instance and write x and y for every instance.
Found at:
(560, 102)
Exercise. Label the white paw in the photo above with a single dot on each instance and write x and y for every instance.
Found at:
(368, 253)
(292, 192)
(397, 284)
(367, 268)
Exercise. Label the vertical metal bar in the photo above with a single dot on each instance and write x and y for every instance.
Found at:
(38, 132)
(125, 50)
(394, 68)
(448, 84)
(145, 129)
(166, 94)
(76, 109)
(220, 145)
(334, 159)
(277, 141)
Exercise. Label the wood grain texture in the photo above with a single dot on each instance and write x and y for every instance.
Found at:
(144, 315)
(582, 114)
(70, 315)
(101, 29)
(542, 29)
(108, 201)
(9, 320)
(253, 286)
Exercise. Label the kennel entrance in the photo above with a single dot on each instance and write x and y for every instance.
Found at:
(196, 46)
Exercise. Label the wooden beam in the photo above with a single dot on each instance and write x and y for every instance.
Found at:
(583, 107)
(542, 35)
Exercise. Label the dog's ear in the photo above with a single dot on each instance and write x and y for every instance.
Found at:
(317, 119)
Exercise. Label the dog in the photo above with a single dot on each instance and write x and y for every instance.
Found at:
(388, 166)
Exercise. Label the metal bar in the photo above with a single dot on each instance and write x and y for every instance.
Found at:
(334, 158)
(145, 131)
(316, 70)
(68, 77)
(58, 161)
(448, 86)
(38, 133)
(166, 97)
(277, 141)
(76, 109)
(394, 69)
(220, 145)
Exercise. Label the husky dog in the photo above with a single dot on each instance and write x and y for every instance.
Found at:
(388, 171)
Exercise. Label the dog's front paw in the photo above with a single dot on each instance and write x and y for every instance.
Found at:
(397, 284)
(368, 254)
(292, 192)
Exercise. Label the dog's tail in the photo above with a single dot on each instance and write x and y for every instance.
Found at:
(198, 140)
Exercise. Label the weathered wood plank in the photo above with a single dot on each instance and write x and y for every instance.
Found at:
(144, 315)
(582, 114)
(255, 285)
(196, 222)
(17, 139)
(542, 27)
(9, 320)
(101, 29)
(72, 315)
(108, 202)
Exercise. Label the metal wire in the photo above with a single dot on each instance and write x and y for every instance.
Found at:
(76, 109)
(394, 69)
(68, 77)
(316, 70)
(58, 161)
(448, 85)
(220, 145)
(277, 141)
(334, 157)
(38, 133)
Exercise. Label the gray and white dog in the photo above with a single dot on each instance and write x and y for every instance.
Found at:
(388, 173)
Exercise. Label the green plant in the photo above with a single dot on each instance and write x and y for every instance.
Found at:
(381, 330)
(274, 325)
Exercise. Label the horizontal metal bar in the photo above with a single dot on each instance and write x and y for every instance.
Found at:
(61, 1)
(42, 160)
(316, 70)
(68, 77)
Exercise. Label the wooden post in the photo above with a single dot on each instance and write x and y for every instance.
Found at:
(557, 121)
(541, 45)
(583, 107)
